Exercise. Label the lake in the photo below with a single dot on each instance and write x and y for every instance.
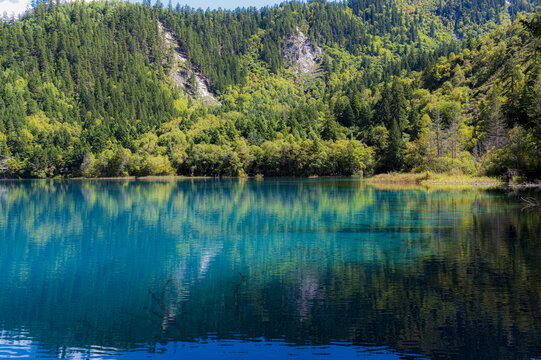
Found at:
(274, 268)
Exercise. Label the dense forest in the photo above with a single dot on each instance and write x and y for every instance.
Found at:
(319, 88)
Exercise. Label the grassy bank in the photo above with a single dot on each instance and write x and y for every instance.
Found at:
(429, 178)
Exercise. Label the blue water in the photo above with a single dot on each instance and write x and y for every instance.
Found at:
(274, 268)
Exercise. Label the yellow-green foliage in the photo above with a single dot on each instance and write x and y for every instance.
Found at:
(430, 178)
(392, 75)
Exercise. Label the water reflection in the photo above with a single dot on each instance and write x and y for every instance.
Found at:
(120, 267)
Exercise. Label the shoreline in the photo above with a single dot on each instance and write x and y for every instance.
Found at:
(385, 179)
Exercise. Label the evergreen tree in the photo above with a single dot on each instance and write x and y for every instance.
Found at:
(394, 153)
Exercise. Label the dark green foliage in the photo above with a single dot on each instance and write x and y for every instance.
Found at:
(86, 89)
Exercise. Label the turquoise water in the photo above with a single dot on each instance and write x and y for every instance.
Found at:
(278, 268)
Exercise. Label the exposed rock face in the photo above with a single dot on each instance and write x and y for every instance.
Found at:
(184, 75)
(302, 55)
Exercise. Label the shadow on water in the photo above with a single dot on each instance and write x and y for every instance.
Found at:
(137, 265)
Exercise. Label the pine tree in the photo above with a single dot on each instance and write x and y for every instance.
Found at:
(394, 153)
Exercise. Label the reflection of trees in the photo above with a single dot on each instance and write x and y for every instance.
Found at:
(427, 271)
(476, 297)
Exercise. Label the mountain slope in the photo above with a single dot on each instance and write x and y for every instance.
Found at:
(109, 89)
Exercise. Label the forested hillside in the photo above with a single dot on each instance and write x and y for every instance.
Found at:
(114, 89)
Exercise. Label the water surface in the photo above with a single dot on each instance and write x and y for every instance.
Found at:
(289, 268)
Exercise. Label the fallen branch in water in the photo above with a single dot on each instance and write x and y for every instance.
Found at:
(531, 202)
